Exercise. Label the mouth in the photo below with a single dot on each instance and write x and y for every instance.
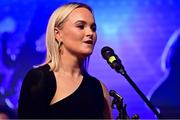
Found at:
(89, 42)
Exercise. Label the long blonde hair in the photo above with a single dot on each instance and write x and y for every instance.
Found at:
(57, 19)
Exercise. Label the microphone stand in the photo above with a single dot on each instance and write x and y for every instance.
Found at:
(123, 72)
(115, 63)
(121, 107)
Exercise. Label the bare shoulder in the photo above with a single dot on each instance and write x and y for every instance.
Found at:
(108, 109)
(105, 90)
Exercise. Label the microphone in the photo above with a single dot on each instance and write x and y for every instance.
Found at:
(112, 59)
(115, 63)
(114, 94)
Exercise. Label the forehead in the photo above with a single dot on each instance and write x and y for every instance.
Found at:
(80, 14)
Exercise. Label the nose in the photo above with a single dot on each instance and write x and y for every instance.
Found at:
(89, 32)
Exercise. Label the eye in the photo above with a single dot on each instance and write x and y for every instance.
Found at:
(80, 26)
(93, 28)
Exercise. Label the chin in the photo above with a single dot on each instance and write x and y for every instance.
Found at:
(86, 50)
(86, 53)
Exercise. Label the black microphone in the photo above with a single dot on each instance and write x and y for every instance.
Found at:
(115, 63)
(114, 94)
(112, 59)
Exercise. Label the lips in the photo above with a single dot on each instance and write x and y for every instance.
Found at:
(88, 42)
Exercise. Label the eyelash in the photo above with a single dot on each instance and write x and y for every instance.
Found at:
(81, 26)
(93, 28)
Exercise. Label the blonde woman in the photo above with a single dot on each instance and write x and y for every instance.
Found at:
(61, 87)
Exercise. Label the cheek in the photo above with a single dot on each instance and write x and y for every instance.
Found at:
(73, 35)
(95, 38)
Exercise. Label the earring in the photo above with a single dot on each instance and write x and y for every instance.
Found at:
(59, 44)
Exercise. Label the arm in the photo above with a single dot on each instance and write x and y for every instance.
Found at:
(107, 109)
(31, 103)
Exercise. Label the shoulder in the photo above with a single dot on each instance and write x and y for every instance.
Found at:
(107, 100)
(94, 85)
(36, 74)
(40, 69)
(38, 81)
(36, 92)
(94, 79)
(107, 111)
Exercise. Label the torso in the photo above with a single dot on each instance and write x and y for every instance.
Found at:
(82, 98)
(65, 86)
(44, 95)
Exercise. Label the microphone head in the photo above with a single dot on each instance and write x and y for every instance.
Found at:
(114, 94)
(106, 52)
(112, 59)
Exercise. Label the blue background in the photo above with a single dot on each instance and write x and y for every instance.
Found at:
(137, 30)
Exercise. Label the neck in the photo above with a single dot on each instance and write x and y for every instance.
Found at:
(70, 65)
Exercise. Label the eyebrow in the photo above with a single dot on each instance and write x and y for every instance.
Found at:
(84, 22)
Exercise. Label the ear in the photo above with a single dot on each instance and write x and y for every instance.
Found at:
(58, 34)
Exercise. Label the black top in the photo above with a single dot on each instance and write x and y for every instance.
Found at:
(39, 87)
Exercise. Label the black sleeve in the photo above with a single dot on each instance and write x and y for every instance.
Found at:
(32, 99)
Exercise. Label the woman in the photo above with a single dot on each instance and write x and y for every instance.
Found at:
(62, 88)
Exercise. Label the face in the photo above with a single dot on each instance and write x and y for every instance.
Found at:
(78, 33)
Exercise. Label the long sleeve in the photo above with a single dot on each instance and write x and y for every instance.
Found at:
(33, 97)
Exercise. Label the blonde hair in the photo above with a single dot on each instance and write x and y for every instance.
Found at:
(57, 19)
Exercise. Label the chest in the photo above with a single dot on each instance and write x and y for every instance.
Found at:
(84, 102)
(65, 86)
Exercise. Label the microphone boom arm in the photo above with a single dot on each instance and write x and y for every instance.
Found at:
(141, 94)
(115, 63)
